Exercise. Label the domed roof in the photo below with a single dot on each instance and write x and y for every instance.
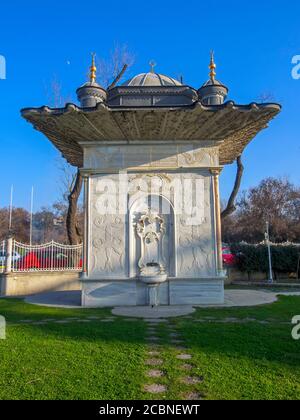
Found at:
(213, 82)
(152, 79)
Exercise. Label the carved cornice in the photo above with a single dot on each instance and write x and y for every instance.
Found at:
(233, 125)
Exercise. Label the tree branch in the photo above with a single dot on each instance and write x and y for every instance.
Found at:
(230, 208)
(71, 220)
(113, 84)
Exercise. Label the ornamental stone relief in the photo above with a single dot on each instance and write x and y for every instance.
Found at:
(158, 157)
(195, 241)
(194, 251)
(108, 246)
(150, 229)
(107, 254)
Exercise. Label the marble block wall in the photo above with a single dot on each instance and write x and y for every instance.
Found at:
(122, 182)
(110, 247)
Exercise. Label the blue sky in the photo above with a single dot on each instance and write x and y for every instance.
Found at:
(254, 43)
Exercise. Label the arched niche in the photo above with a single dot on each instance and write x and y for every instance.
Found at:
(152, 237)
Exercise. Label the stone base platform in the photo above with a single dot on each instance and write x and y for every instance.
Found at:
(132, 292)
(233, 298)
(148, 312)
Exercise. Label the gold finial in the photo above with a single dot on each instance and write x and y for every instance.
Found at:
(152, 64)
(212, 66)
(93, 69)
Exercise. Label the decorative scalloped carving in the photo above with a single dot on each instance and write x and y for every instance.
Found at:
(233, 124)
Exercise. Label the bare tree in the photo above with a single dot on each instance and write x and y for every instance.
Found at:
(119, 77)
(20, 224)
(55, 96)
(110, 72)
(275, 200)
(230, 208)
(265, 97)
(73, 228)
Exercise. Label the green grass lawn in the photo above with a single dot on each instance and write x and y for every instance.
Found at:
(98, 360)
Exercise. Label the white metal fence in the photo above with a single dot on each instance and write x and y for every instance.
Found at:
(52, 256)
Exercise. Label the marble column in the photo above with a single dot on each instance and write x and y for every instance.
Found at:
(217, 210)
(86, 225)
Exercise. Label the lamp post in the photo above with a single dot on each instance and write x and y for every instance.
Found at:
(267, 238)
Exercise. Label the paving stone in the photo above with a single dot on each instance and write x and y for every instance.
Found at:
(83, 320)
(154, 346)
(153, 353)
(170, 329)
(39, 323)
(106, 320)
(186, 366)
(156, 320)
(155, 373)
(180, 348)
(184, 356)
(155, 388)
(192, 380)
(174, 335)
(175, 341)
(129, 319)
(62, 321)
(25, 321)
(152, 338)
(154, 362)
(193, 396)
(52, 319)
(91, 317)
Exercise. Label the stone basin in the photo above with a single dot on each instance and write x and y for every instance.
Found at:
(154, 279)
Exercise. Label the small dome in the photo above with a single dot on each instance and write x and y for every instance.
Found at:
(212, 83)
(90, 94)
(152, 79)
(91, 85)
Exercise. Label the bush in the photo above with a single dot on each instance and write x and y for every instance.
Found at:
(251, 258)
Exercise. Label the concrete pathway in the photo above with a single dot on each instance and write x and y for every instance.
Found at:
(248, 298)
(68, 299)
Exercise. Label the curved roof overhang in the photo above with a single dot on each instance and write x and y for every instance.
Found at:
(234, 126)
